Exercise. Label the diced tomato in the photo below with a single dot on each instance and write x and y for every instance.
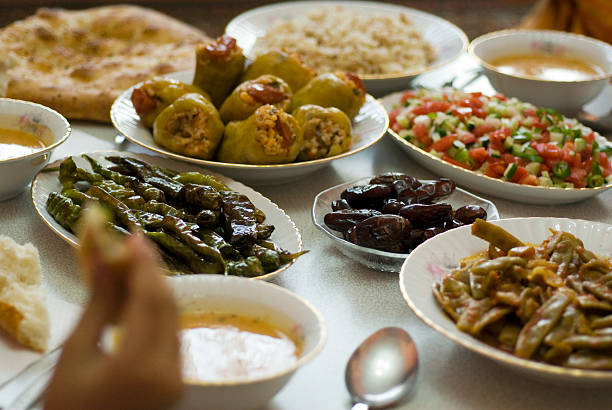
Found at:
(478, 154)
(496, 138)
(422, 133)
(462, 112)
(393, 115)
(473, 102)
(431, 106)
(549, 151)
(544, 167)
(483, 129)
(444, 143)
(407, 96)
(574, 160)
(530, 112)
(508, 158)
(529, 180)
(468, 138)
(577, 177)
(396, 127)
(590, 137)
(606, 167)
(495, 170)
(500, 97)
(479, 112)
(448, 158)
(519, 174)
(537, 124)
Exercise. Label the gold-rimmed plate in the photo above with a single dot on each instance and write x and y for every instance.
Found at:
(440, 254)
(482, 183)
(369, 126)
(285, 234)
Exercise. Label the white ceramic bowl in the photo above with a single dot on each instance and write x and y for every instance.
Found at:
(277, 305)
(46, 124)
(374, 258)
(564, 96)
(437, 256)
(448, 40)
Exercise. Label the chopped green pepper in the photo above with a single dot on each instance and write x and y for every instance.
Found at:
(562, 170)
(595, 180)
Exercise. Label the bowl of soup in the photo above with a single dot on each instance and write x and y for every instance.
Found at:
(551, 69)
(29, 133)
(241, 340)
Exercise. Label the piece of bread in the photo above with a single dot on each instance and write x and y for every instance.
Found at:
(23, 312)
(78, 62)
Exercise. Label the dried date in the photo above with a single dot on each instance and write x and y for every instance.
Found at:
(425, 216)
(339, 204)
(392, 206)
(469, 213)
(383, 232)
(367, 196)
(344, 219)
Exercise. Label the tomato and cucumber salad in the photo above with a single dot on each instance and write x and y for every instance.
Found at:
(503, 138)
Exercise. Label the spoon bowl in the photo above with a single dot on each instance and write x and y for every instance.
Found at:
(383, 369)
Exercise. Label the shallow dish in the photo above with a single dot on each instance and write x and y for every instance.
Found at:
(42, 122)
(241, 296)
(564, 96)
(368, 128)
(285, 233)
(373, 258)
(431, 260)
(482, 183)
(448, 40)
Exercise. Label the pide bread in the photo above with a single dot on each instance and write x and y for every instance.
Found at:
(78, 62)
(23, 313)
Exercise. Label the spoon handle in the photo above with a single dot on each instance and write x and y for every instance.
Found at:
(360, 406)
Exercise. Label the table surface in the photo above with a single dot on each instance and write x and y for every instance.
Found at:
(354, 300)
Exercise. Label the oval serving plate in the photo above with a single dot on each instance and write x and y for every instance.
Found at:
(435, 257)
(448, 40)
(369, 126)
(492, 186)
(285, 234)
(373, 258)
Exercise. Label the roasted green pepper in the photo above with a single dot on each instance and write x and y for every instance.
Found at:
(327, 131)
(218, 66)
(156, 94)
(287, 66)
(344, 91)
(269, 136)
(190, 126)
(251, 95)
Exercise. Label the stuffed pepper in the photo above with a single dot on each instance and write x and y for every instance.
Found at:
(156, 94)
(327, 131)
(218, 66)
(344, 91)
(269, 136)
(190, 126)
(287, 66)
(251, 95)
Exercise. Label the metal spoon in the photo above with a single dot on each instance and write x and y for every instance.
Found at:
(383, 369)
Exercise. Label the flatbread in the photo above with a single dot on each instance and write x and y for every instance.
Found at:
(78, 62)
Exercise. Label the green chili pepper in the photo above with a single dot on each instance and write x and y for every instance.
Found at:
(595, 180)
(562, 170)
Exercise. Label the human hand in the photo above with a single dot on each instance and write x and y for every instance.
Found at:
(144, 370)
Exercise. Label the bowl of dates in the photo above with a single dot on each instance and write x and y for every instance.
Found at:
(379, 220)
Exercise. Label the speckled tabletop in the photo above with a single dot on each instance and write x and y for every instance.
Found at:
(354, 300)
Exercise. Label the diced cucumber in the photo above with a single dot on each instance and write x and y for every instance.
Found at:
(510, 170)
(533, 168)
(458, 144)
(495, 153)
(508, 142)
(580, 144)
(545, 181)
(557, 137)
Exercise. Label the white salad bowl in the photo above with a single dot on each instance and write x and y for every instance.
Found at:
(277, 306)
(565, 96)
(44, 123)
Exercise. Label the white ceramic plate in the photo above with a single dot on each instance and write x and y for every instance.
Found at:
(373, 258)
(482, 183)
(368, 128)
(435, 257)
(285, 233)
(448, 40)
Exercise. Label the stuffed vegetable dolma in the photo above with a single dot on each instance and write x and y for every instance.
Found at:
(218, 66)
(156, 94)
(251, 95)
(189, 126)
(344, 91)
(327, 131)
(287, 66)
(269, 136)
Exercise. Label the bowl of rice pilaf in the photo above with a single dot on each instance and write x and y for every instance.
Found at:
(386, 45)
